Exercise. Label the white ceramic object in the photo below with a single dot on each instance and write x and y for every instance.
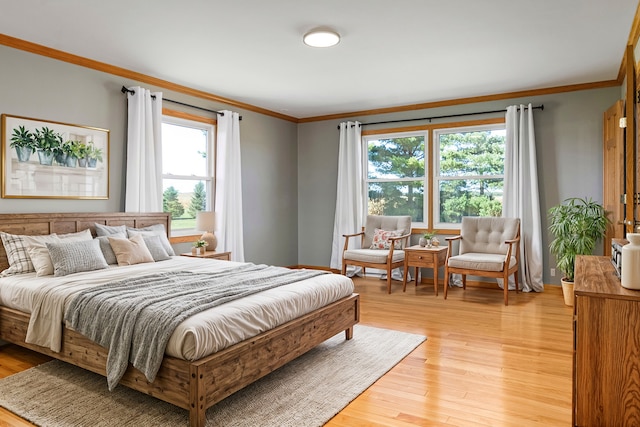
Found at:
(630, 276)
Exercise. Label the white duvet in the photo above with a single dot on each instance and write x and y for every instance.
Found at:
(47, 297)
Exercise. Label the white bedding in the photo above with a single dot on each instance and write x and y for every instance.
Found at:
(46, 298)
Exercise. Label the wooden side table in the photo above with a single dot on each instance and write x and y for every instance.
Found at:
(422, 257)
(225, 256)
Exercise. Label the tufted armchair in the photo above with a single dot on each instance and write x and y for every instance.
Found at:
(489, 247)
(374, 252)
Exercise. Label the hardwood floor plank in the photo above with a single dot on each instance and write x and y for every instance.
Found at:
(482, 364)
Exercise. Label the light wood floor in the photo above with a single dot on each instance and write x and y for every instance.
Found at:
(482, 364)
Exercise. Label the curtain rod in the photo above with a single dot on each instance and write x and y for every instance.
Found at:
(539, 107)
(131, 91)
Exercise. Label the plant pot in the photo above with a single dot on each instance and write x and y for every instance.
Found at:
(82, 162)
(24, 153)
(71, 161)
(92, 163)
(567, 292)
(61, 159)
(45, 158)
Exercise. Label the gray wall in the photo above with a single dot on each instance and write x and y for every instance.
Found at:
(38, 87)
(289, 171)
(569, 151)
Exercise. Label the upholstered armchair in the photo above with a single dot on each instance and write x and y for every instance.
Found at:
(383, 240)
(489, 247)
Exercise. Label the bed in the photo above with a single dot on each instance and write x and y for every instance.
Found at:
(193, 385)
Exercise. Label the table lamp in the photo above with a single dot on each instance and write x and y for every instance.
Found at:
(206, 221)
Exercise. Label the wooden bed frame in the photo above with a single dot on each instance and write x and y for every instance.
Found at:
(195, 385)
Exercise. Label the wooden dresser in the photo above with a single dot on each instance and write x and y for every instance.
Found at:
(606, 340)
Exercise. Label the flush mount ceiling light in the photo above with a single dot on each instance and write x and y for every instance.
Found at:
(321, 37)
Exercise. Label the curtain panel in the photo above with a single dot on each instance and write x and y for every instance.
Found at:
(521, 196)
(228, 197)
(350, 205)
(143, 188)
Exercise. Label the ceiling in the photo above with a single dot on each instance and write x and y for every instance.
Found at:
(392, 53)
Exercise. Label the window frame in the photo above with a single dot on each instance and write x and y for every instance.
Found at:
(431, 191)
(366, 138)
(437, 178)
(198, 122)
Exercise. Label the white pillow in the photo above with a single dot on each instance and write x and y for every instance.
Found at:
(77, 237)
(39, 253)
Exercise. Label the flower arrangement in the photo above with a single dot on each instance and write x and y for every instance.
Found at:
(200, 243)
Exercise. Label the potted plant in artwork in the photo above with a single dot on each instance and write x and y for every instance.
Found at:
(61, 152)
(94, 155)
(72, 149)
(82, 150)
(23, 141)
(576, 225)
(199, 247)
(47, 141)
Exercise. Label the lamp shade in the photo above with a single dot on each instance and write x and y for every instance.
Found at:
(205, 221)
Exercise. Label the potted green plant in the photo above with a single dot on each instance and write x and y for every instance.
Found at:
(94, 155)
(74, 150)
(61, 152)
(23, 141)
(576, 225)
(47, 141)
(199, 247)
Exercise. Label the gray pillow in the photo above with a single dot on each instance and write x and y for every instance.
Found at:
(107, 250)
(153, 230)
(108, 230)
(154, 244)
(74, 257)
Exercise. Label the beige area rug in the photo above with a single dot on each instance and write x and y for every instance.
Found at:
(308, 391)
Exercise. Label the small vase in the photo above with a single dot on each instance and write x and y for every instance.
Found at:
(630, 276)
(435, 241)
(422, 242)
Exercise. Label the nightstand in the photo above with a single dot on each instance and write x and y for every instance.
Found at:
(422, 257)
(224, 256)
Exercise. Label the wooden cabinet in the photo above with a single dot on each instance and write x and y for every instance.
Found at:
(606, 357)
(420, 257)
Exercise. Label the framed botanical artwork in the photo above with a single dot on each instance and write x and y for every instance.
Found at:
(44, 159)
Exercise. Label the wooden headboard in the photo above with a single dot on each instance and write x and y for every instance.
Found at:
(61, 223)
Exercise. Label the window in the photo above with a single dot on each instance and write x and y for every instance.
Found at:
(187, 171)
(396, 175)
(469, 173)
(465, 172)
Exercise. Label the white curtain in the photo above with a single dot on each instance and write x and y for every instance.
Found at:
(349, 216)
(228, 202)
(521, 199)
(143, 192)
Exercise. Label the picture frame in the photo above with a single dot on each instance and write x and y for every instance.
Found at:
(52, 160)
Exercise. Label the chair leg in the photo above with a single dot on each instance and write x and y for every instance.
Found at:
(388, 278)
(505, 285)
(464, 281)
(344, 268)
(515, 278)
(446, 280)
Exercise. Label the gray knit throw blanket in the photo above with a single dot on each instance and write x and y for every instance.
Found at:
(134, 318)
